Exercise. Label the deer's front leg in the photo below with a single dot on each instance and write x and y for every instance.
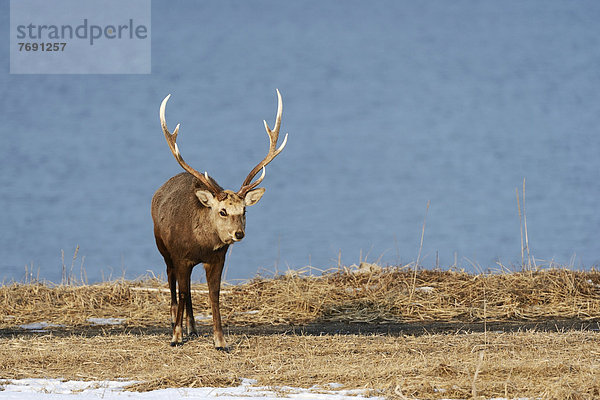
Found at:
(213, 278)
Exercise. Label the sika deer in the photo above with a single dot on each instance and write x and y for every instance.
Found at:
(195, 221)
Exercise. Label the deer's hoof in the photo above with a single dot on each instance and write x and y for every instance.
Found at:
(223, 349)
(175, 344)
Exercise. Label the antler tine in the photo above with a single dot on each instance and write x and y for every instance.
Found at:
(171, 141)
(246, 188)
(277, 119)
(273, 149)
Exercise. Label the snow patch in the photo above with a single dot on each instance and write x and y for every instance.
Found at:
(39, 326)
(203, 317)
(54, 389)
(106, 321)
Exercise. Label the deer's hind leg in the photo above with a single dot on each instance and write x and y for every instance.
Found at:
(182, 273)
(189, 312)
(171, 277)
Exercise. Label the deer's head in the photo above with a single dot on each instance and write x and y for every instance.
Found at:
(229, 214)
(228, 208)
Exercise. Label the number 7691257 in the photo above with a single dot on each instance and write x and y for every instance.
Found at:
(44, 46)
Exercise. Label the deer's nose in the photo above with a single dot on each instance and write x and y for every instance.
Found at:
(239, 235)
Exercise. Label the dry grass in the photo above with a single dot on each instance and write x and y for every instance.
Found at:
(552, 365)
(527, 364)
(365, 294)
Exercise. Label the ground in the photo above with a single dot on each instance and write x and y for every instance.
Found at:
(389, 332)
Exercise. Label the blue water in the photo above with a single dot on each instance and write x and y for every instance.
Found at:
(388, 104)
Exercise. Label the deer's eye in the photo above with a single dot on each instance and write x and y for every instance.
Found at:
(223, 213)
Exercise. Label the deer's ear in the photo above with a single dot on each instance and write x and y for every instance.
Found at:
(206, 198)
(253, 196)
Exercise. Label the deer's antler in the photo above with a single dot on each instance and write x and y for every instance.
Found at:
(171, 140)
(248, 185)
